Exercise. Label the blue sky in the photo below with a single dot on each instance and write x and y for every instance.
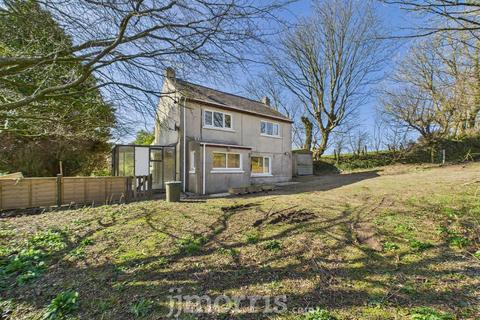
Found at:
(393, 17)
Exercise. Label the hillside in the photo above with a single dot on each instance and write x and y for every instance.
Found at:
(394, 244)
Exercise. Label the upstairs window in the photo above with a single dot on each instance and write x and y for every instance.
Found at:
(214, 119)
(269, 129)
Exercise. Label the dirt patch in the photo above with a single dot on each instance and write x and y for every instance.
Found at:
(289, 215)
(365, 234)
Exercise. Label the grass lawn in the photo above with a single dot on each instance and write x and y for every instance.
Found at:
(401, 243)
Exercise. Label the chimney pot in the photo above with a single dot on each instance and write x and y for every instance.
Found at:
(266, 100)
(170, 73)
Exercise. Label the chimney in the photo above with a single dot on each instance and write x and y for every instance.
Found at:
(266, 100)
(170, 73)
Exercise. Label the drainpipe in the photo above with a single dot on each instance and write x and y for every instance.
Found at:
(184, 145)
(204, 166)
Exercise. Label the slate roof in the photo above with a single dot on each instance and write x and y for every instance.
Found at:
(227, 100)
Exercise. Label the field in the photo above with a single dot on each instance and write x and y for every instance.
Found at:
(402, 242)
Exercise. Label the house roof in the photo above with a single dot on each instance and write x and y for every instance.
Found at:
(208, 96)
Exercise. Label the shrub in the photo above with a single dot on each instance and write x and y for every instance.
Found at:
(63, 304)
(141, 308)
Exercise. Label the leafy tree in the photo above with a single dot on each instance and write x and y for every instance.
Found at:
(144, 137)
(73, 128)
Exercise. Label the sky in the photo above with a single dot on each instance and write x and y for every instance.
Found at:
(393, 17)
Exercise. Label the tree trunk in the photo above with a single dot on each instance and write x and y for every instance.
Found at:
(322, 147)
(308, 133)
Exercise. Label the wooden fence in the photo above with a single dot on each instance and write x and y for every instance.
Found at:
(58, 191)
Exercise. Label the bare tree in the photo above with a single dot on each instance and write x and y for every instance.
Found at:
(268, 85)
(329, 62)
(124, 44)
(378, 137)
(448, 15)
(357, 141)
(434, 89)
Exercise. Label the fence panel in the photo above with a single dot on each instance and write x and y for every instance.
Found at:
(43, 192)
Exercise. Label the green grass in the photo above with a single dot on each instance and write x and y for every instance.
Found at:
(127, 261)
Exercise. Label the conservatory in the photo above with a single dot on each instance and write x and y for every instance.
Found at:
(142, 160)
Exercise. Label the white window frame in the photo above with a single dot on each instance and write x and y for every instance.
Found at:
(212, 126)
(273, 124)
(227, 169)
(192, 162)
(263, 174)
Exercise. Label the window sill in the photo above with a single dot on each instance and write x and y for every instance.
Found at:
(269, 136)
(191, 171)
(227, 171)
(219, 129)
(260, 175)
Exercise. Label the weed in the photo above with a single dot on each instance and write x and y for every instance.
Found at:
(420, 246)
(424, 313)
(30, 262)
(272, 245)
(192, 244)
(453, 238)
(319, 314)
(63, 304)
(390, 246)
(477, 254)
(48, 241)
(6, 308)
(450, 213)
(458, 241)
(252, 237)
(87, 242)
(231, 252)
(404, 228)
(141, 308)
(408, 289)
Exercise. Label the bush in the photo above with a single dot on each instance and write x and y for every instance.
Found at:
(456, 150)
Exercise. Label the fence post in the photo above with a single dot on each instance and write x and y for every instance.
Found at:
(443, 156)
(30, 195)
(1, 196)
(128, 185)
(59, 190)
(150, 185)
